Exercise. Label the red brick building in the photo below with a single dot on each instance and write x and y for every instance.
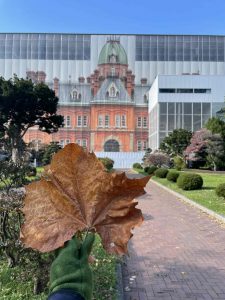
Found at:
(106, 111)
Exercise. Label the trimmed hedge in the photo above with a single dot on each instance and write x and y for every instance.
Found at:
(172, 176)
(220, 190)
(161, 173)
(150, 170)
(137, 166)
(107, 162)
(190, 181)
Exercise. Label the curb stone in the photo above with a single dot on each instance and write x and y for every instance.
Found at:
(119, 282)
(180, 197)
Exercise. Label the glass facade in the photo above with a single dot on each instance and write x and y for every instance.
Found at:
(180, 48)
(191, 116)
(45, 46)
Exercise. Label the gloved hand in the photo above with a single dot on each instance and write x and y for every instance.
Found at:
(71, 270)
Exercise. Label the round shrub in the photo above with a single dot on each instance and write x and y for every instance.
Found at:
(189, 181)
(161, 173)
(172, 176)
(137, 166)
(107, 162)
(220, 190)
(150, 170)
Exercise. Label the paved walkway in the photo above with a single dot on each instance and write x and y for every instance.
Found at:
(177, 254)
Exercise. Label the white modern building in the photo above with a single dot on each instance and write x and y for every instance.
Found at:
(183, 101)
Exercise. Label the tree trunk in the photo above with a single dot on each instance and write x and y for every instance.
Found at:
(10, 259)
(15, 155)
(17, 149)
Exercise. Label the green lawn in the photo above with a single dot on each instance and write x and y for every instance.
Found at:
(206, 196)
(16, 283)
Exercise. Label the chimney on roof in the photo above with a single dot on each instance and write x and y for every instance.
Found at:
(41, 76)
(81, 79)
(56, 86)
(144, 80)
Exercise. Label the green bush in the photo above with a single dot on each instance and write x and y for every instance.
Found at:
(107, 162)
(172, 176)
(137, 166)
(31, 171)
(161, 173)
(179, 163)
(220, 190)
(189, 181)
(150, 170)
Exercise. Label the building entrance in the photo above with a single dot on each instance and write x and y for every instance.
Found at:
(112, 146)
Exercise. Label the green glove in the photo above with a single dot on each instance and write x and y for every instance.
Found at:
(71, 270)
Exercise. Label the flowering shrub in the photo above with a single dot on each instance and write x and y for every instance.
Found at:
(157, 159)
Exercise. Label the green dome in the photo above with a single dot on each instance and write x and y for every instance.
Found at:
(112, 52)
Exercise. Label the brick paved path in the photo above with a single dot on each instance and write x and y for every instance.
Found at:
(178, 252)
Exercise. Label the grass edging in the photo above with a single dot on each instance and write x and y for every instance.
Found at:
(192, 203)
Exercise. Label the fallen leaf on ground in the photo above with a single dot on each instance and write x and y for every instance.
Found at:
(77, 194)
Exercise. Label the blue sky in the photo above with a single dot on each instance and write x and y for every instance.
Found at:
(117, 16)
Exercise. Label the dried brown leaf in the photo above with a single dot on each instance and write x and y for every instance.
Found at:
(77, 194)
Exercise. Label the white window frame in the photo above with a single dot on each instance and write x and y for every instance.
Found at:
(100, 121)
(78, 141)
(144, 145)
(62, 143)
(79, 121)
(117, 121)
(144, 122)
(139, 145)
(84, 143)
(68, 121)
(107, 120)
(123, 121)
(85, 121)
(139, 122)
(67, 141)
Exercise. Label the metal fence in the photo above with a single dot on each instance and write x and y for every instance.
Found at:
(123, 160)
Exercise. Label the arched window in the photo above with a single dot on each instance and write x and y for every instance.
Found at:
(112, 92)
(113, 72)
(75, 95)
(112, 59)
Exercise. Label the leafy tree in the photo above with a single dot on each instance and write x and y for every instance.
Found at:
(176, 142)
(49, 151)
(23, 105)
(216, 151)
(216, 125)
(148, 151)
(206, 147)
(196, 152)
